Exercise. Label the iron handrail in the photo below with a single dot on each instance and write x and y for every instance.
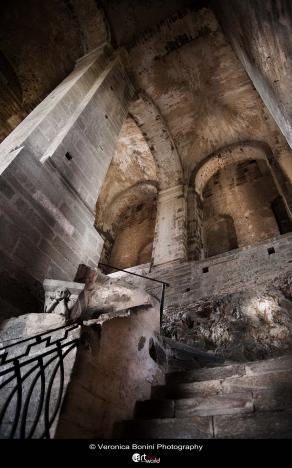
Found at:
(32, 371)
(164, 285)
(38, 335)
(36, 340)
(27, 374)
(135, 274)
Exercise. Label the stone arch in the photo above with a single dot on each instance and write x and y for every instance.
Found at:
(132, 196)
(228, 155)
(127, 201)
(231, 154)
(136, 202)
(157, 135)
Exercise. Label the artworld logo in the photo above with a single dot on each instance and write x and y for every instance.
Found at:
(136, 457)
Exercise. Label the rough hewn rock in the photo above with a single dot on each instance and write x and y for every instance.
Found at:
(241, 326)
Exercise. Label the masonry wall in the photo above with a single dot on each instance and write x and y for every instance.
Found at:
(239, 197)
(228, 272)
(133, 244)
(108, 380)
(259, 33)
(237, 304)
(170, 230)
(52, 169)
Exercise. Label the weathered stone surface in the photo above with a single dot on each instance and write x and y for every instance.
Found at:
(258, 33)
(273, 398)
(198, 375)
(272, 365)
(36, 73)
(108, 379)
(212, 405)
(276, 380)
(28, 325)
(200, 171)
(106, 296)
(56, 240)
(271, 425)
(244, 324)
(188, 390)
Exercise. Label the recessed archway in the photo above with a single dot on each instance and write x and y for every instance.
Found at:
(241, 182)
(126, 207)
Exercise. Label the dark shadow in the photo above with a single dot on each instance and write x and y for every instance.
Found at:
(281, 215)
(220, 236)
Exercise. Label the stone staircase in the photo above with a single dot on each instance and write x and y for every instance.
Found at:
(240, 401)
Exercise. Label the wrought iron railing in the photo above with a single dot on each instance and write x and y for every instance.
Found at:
(33, 375)
(34, 372)
(163, 283)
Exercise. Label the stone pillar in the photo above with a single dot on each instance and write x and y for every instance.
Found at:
(52, 167)
(195, 225)
(170, 230)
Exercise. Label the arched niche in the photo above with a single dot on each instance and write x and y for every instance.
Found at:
(249, 206)
(127, 223)
(126, 206)
(157, 135)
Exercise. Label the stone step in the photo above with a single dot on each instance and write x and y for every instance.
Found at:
(182, 356)
(272, 399)
(191, 428)
(275, 381)
(269, 365)
(202, 374)
(188, 390)
(199, 406)
(259, 425)
(213, 405)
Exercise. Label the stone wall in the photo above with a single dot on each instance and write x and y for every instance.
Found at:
(133, 244)
(237, 304)
(259, 33)
(200, 87)
(113, 370)
(52, 169)
(170, 230)
(242, 193)
(40, 42)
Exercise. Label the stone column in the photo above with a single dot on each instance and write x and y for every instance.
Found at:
(195, 225)
(52, 167)
(170, 230)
